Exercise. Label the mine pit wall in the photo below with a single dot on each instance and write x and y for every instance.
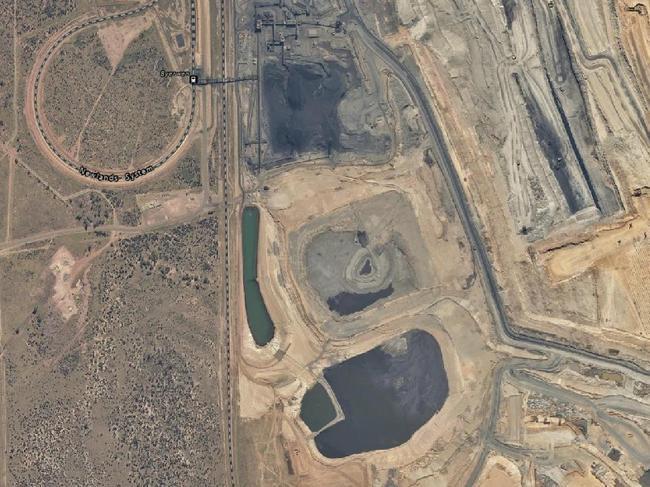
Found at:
(554, 76)
(633, 29)
(568, 179)
(563, 78)
(591, 103)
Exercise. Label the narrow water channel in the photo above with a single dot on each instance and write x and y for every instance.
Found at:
(259, 320)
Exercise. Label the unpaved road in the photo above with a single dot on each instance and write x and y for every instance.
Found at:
(44, 137)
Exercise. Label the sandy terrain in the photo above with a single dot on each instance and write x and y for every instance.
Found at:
(544, 107)
(64, 290)
(116, 36)
(158, 208)
(500, 472)
(579, 278)
(443, 306)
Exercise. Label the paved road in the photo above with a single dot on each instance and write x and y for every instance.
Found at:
(481, 258)
(227, 148)
(354, 22)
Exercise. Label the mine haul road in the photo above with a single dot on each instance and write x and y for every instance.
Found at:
(508, 334)
(413, 86)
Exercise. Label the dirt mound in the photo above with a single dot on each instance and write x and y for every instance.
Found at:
(64, 292)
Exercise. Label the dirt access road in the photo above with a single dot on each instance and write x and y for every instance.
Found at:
(44, 137)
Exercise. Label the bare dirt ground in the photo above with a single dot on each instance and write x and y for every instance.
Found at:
(543, 106)
(571, 251)
(63, 293)
(117, 36)
(635, 34)
(114, 323)
(158, 208)
(298, 353)
(500, 472)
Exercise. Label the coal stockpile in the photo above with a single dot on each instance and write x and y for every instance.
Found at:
(300, 102)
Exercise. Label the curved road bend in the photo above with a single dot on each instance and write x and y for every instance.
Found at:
(415, 90)
(489, 427)
(418, 94)
(48, 147)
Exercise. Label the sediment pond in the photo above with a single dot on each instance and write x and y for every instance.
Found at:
(386, 394)
(346, 303)
(259, 320)
(317, 409)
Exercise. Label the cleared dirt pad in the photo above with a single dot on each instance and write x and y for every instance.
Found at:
(117, 36)
(63, 293)
(134, 398)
